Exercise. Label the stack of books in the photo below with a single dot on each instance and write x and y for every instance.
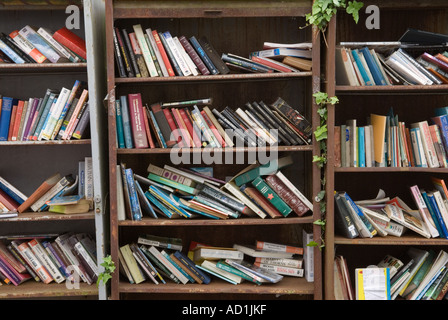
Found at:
(387, 142)
(59, 194)
(160, 259)
(58, 115)
(149, 53)
(183, 124)
(48, 258)
(260, 190)
(392, 216)
(41, 45)
(366, 66)
(418, 274)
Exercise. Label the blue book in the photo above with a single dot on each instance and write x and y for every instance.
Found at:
(133, 197)
(66, 107)
(169, 202)
(157, 129)
(442, 122)
(216, 274)
(159, 205)
(119, 124)
(443, 232)
(37, 41)
(358, 211)
(361, 147)
(363, 72)
(144, 201)
(441, 111)
(190, 264)
(5, 117)
(373, 67)
(126, 123)
(167, 256)
(44, 114)
(11, 191)
(204, 57)
(170, 55)
(10, 53)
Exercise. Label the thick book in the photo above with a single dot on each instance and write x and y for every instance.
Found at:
(260, 201)
(162, 123)
(137, 121)
(163, 53)
(214, 56)
(127, 130)
(27, 47)
(298, 63)
(262, 170)
(47, 34)
(344, 223)
(138, 55)
(272, 196)
(119, 58)
(39, 192)
(203, 55)
(72, 41)
(39, 43)
(5, 117)
(194, 55)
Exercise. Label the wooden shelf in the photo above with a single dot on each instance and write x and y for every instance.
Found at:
(211, 222)
(49, 216)
(224, 77)
(390, 169)
(200, 150)
(288, 285)
(43, 68)
(32, 289)
(45, 143)
(397, 89)
(405, 240)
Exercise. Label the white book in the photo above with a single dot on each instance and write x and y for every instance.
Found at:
(168, 264)
(211, 265)
(88, 178)
(145, 50)
(62, 183)
(176, 53)
(65, 247)
(35, 264)
(252, 251)
(153, 44)
(48, 37)
(400, 66)
(39, 43)
(283, 262)
(233, 189)
(54, 114)
(42, 256)
(296, 191)
(13, 189)
(83, 252)
(368, 146)
(427, 143)
(28, 48)
(308, 256)
(442, 207)
(255, 127)
(121, 212)
(287, 271)
(216, 253)
(194, 70)
(398, 215)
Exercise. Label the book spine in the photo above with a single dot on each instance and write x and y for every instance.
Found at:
(138, 55)
(153, 55)
(172, 58)
(71, 41)
(214, 56)
(9, 52)
(282, 262)
(361, 215)
(131, 53)
(66, 107)
(125, 54)
(5, 117)
(27, 47)
(62, 265)
(18, 255)
(12, 121)
(157, 54)
(222, 198)
(29, 118)
(194, 56)
(252, 66)
(134, 202)
(157, 130)
(428, 145)
(176, 53)
(268, 246)
(182, 127)
(219, 139)
(203, 55)
(184, 259)
(163, 53)
(174, 129)
(56, 45)
(137, 123)
(276, 201)
(197, 116)
(85, 255)
(167, 264)
(83, 113)
(41, 255)
(119, 58)
(145, 51)
(37, 41)
(163, 124)
(125, 111)
(50, 194)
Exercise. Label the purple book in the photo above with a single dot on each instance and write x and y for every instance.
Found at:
(30, 118)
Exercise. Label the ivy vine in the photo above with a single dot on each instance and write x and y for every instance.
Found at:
(321, 136)
(109, 268)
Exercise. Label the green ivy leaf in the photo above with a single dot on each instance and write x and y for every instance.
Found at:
(321, 133)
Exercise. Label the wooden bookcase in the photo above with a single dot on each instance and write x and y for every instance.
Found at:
(237, 27)
(411, 103)
(27, 164)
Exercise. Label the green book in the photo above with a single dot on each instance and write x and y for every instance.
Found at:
(265, 169)
(224, 266)
(271, 196)
(171, 183)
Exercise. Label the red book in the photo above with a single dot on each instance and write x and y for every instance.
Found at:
(71, 41)
(287, 195)
(269, 63)
(15, 130)
(7, 256)
(173, 127)
(137, 120)
(189, 125)
(261, 200)
(11, 122)
(184, 131)
(165, 58)
(213, 128)
(441, 64)
(147, 128)
(8, 202)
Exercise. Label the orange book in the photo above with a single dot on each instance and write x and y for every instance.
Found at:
(163, 53)
(27, 47)
(147, 128)
(269, 246)
(11, 121)
(39, 192)
(441, 57)
(213, 128)
(15, 130)
(71, 41)
(8, 202)
(184, 131)
(29, 256)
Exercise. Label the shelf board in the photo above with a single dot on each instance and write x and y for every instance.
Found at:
(45, 143)
(33, 289)
(390, 169)
(49, 216)
(288, 285)
(200, 150)
(214, 222)
(209, 9)
(42, 67)
(443, 88)
(223, 77)
(406, 240)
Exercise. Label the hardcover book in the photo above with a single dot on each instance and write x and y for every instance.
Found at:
(137, 121)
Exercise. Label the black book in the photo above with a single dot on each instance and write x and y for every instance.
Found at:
(170, 55)
(246, 127)
(144, 263)
(213, 55)
(280, 137)
(422, 38)
(12, 45)
(229, 130)
(132, 57)
(124, 54)
(250, 142)
(118, 57)
(343, 220)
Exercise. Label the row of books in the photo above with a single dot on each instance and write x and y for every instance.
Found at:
(59, 194)
(59, 115)
(48, 258)
(385, 216)
(260, 190)
(387, 142)
(159, 259)
(41, 45)
(150, 53)
(366, 67)
(417, 275)
(183, 124)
